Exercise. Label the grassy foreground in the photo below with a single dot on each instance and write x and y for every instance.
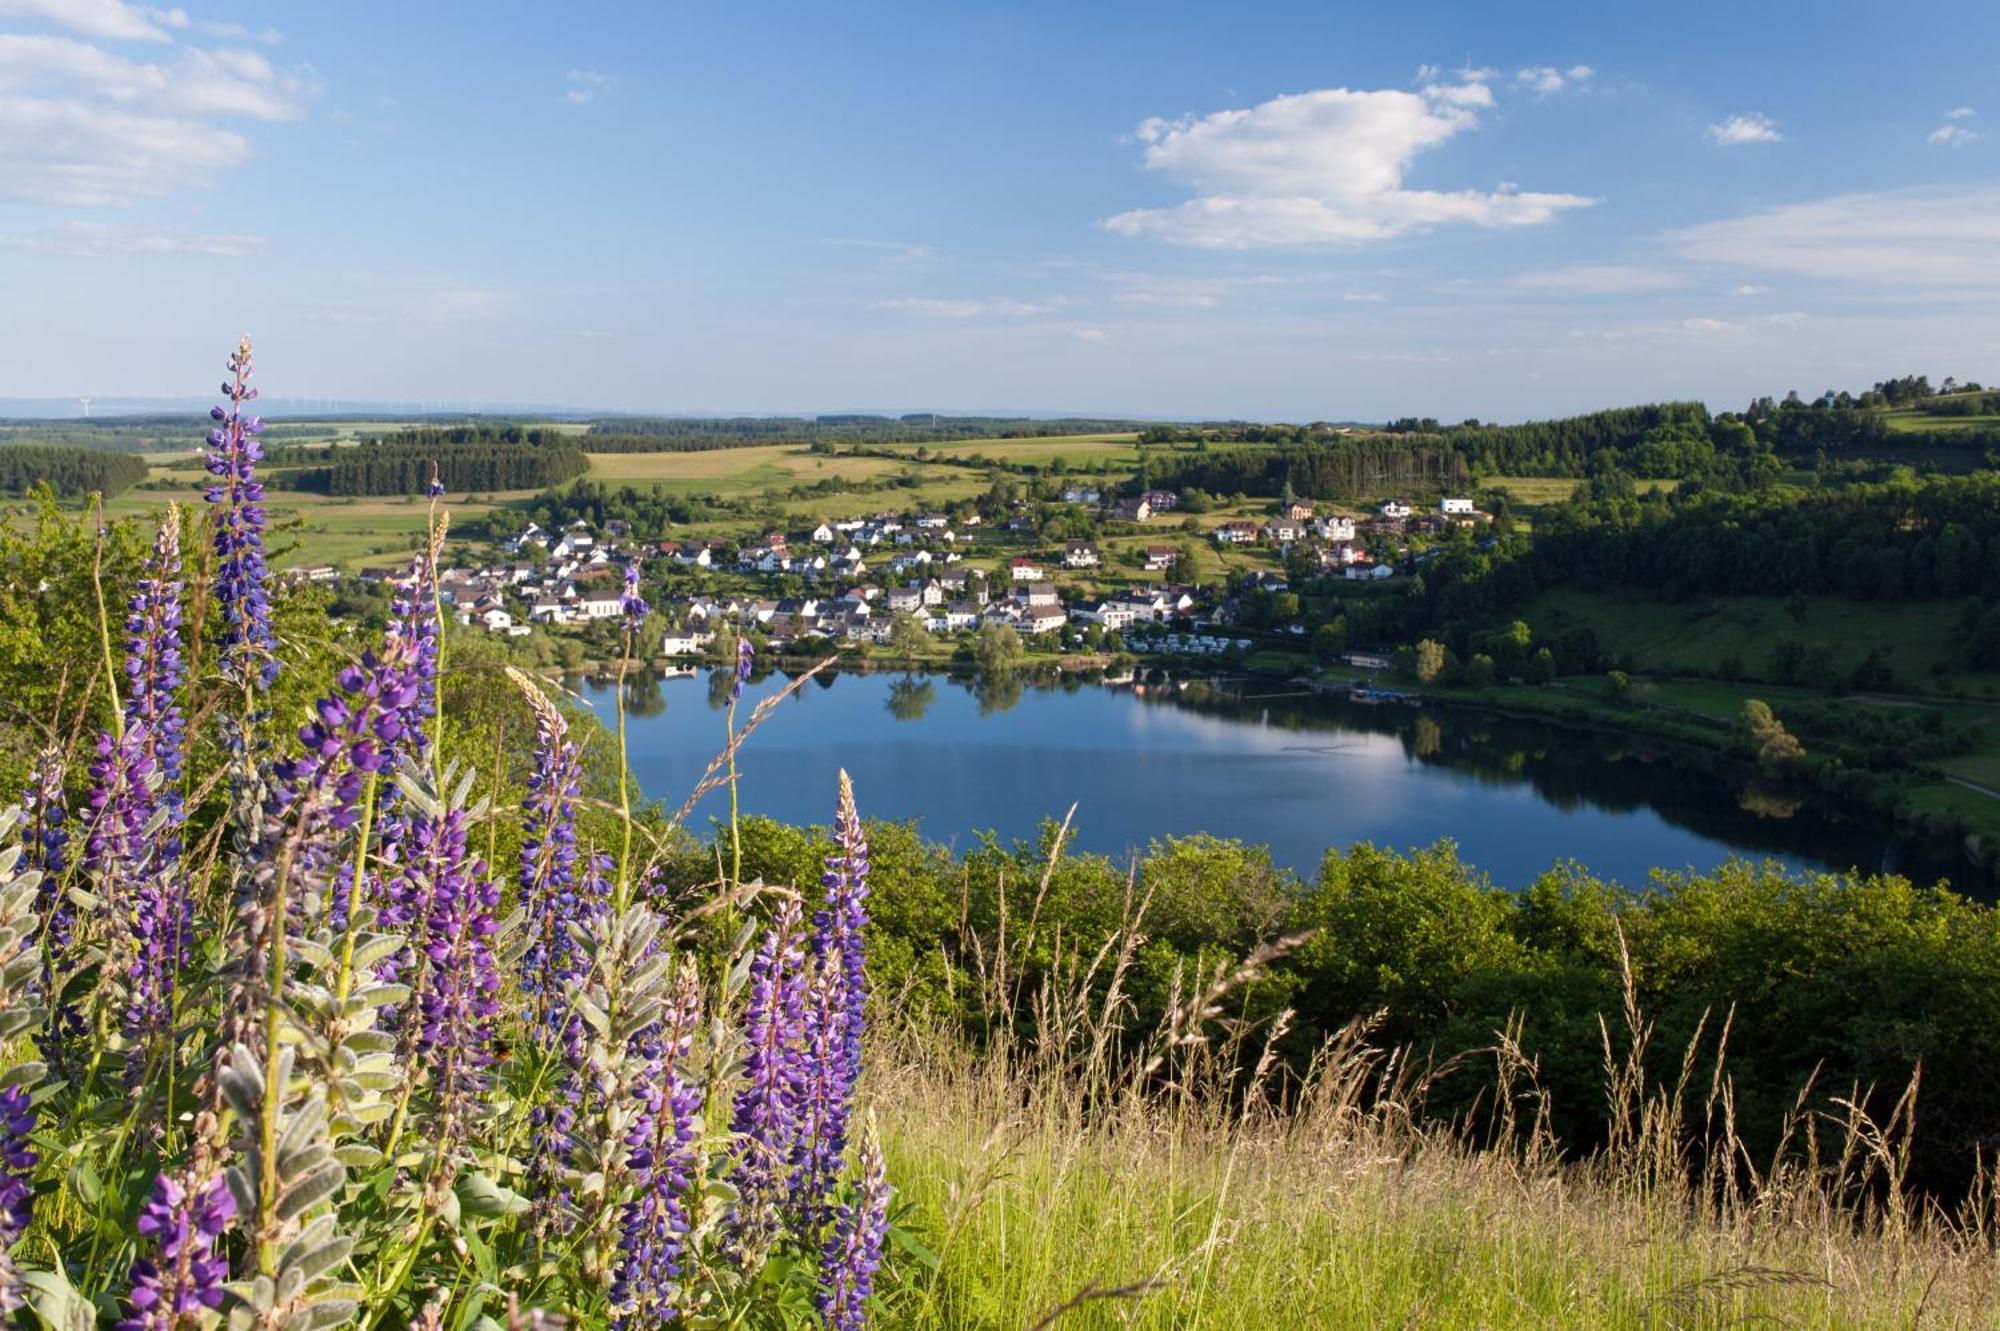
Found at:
(1054, 1190)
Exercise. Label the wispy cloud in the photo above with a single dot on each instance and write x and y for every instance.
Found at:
(584, 86)
(1952, 134)
(964, 309)
(1087, 333)
(1547, 80)
(1319, 168)
(81, 124)
(110, 20)
(1749, 127)
(1937, 238)
(1600, 279)
(96, 241)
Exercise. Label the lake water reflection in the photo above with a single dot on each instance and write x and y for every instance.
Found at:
(963, 755)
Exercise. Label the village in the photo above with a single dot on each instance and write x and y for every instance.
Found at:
(858, 580)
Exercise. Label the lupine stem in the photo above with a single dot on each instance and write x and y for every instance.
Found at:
(104, 618)
(362, 829)
(267, 1140)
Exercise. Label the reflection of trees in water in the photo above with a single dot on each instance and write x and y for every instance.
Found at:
(643, 696)
(910, 697)
(1578, 768)
(1767, 803)
(998, 691)
(720, 684)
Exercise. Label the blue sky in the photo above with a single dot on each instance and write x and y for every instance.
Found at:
(1265, 210)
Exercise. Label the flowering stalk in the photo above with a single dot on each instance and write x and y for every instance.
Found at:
(45, 844)
(17, 1193)
(173, 1289)
(766, 1118)
(853, 1252)
(457, 1000)
(745, 658)
(654, 1225)
(236, 498)
(835, 1017)
(158, 912)
(633, 610)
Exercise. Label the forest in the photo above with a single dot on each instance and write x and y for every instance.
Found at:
(464, 458)
(70, 472)
(674, 434)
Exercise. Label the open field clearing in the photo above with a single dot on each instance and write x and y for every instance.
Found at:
(735, 470)
(1905, 420)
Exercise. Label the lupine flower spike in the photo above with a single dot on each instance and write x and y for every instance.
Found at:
(853, 1252)
(185, 1277)
(236, 497)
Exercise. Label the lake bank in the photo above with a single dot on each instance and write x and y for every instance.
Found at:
(1003, 753)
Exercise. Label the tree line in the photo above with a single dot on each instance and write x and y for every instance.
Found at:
(698, 434)
(68, 471)
(464, 458)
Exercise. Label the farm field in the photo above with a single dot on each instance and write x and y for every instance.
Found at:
(1904, 420)
(1531, 492)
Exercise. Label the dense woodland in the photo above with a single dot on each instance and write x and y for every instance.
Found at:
(68, 471)
(464, 458)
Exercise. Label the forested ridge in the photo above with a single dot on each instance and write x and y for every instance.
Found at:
(68, 471)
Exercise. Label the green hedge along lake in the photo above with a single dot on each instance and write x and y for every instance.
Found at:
(962, 755)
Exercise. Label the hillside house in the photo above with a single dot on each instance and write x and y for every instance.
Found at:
(1024, 569)
(1236, 533)
(1395, 508)
(1160, 558)
(1079, 554)
(1162, 501)
(1133, 510)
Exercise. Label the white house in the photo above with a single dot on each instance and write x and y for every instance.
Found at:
(1043, 619)
(1368, 572)
(600, 605)
(1395, 508)
(1456, 506)
(1236, 533)
(1079, 554)
(1159, 558)
(496, 620)
(684, 642)
(1026, 570)
(1335, 528)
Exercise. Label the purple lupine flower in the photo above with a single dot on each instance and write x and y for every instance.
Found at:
(411, 642)
(188, 1274)
(237, 497)
(45, 845)
(766, 1115)
(633, 605)
(836, 1017)
(17, 1164)
(157, 910)
(653, 1226)
(116, 849)
(853, 1252)
(553, 964)
(746, 656)
(457, 992)
(435, 489)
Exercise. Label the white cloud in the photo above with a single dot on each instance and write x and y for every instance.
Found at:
(240, 32)
(1545, 80)
(1788, 319)
(1320, 167)
(1749, 289)
(71, 152)
(1951, 134)
(95, 241)
(1085, 333)
(83, 125)
(1364, 297)
(1752, 127)
(585, 86)
(963, 309)
(107, 19)
(1600, 279)
(1189, 293)
(1944, 238)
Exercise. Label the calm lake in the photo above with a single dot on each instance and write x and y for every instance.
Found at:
(963, 755)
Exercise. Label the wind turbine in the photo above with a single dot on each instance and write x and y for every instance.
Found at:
(86, 407)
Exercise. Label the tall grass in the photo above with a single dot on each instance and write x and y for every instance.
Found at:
(1068, 1175)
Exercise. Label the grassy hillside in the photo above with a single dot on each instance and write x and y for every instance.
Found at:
(1732, 635)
